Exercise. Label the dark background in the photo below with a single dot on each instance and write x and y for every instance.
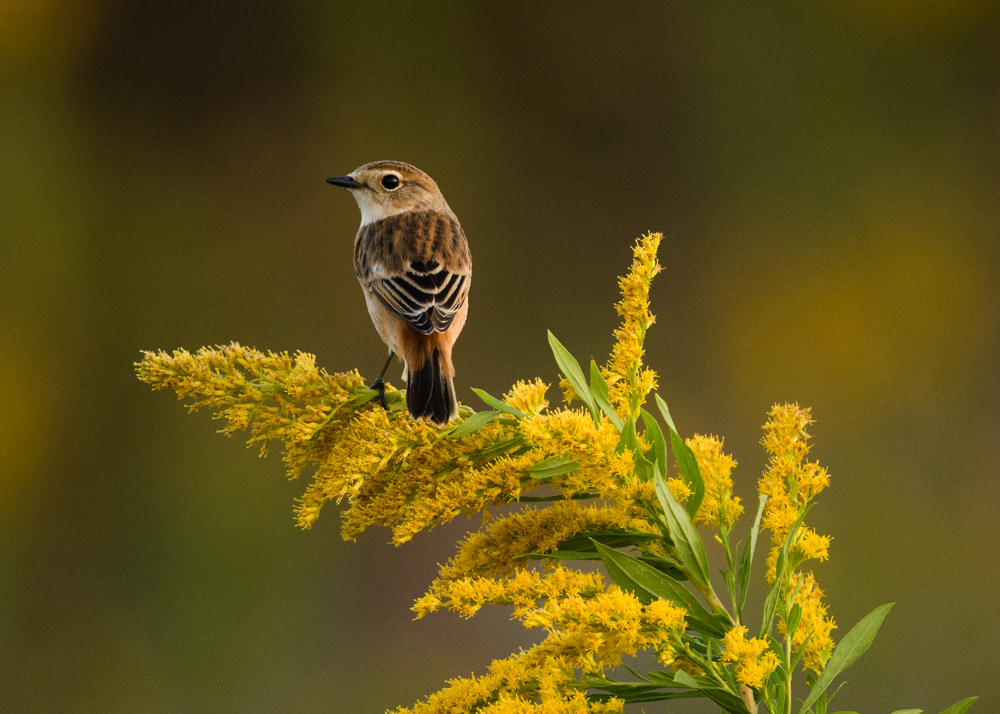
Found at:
(826, 178)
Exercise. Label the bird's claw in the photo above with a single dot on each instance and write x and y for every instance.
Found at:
(379, 386)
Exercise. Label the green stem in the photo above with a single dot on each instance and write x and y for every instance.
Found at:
(788, 673)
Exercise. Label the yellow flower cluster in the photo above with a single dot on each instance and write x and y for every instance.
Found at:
(751, 658)
(276, 396)
(628, 381)
(526, 683)
(790, 483)
(410, 475)
(814, 625)
(589, 630)
(719, 507)
(523, 590)
(528, 397)
(498, 548)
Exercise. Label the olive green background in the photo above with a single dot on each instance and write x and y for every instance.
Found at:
(827, 181)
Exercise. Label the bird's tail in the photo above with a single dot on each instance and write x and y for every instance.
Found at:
(430, 393)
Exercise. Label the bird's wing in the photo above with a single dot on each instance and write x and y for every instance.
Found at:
(426, 295)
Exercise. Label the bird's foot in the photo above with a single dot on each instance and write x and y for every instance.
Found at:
(379, 385)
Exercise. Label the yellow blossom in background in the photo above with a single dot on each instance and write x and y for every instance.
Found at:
(752, 658)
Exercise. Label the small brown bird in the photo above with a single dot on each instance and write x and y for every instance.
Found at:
(412, 260)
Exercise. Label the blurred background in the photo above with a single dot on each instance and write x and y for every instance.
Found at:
(827, 181)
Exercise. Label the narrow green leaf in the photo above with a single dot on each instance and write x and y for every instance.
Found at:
(571, 370)
(770, 605)
(664, 679)
(960, 707)
(729, 702)
(611, 537)
(602, 395)
(685, 459)
(562, 555)
(647, 583)
(908, 711)
(474, 423)
(689, 469)
(629, 440)
(847, 652)
(547, 499)
(683, 679)
(552, 466)
(746, 559)
(665, 412)
(499, 405)
(653, 430)
(645, 696)
(684, 534)
(497, 448)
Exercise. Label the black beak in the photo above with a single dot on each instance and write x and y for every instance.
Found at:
(345, 182)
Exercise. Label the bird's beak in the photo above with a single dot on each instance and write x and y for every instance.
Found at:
(345, 182)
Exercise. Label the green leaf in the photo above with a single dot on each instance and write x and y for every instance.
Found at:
(496, 449)
(665, 412)
(746, 560)
(653, 430)
(683, 679)
(474, 423)
(847, 652)
(647, 583)
(729, 702)
(685, 536)
(611, 537)
(960, 707)
(664, 679)
(571, 370)
(562, 555)
(629, 440)
(908, 711)
(547, 499)
(685, 459)
(602, 396)
(499, 405)
(771, 604)
(552, 466)
(645, 697)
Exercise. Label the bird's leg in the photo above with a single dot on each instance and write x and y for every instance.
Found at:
(379, 383)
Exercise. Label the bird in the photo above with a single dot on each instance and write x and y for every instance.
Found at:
(412, 259)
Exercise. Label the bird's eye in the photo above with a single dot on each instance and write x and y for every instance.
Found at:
(390, 182)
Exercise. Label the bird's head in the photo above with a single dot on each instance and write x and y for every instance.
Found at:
(385, 188)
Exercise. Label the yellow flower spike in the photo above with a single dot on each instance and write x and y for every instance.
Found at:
(718, 507)
(628, 382)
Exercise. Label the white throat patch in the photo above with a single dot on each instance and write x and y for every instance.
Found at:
(373, 211)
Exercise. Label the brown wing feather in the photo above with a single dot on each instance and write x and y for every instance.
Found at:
(418, 266)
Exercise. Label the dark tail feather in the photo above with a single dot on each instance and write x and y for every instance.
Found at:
(430, 393)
